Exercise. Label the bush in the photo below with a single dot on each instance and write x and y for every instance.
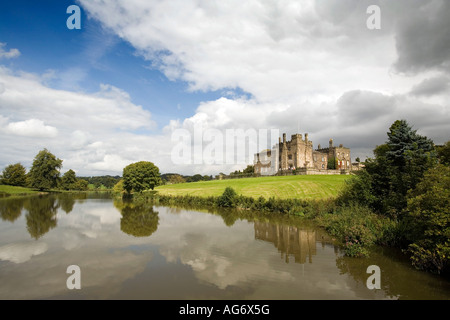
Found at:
(228, 198)
(357, 227)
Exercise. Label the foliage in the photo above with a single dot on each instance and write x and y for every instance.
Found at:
(14, 175)
(332, 163)
(68, 180)
(118, 187)
(140, 176)
(443, 153)
(428, 218)
(98, 182)
(44, 173)
(357, 227)
(176, 178)
(228, 198)
(398, 166)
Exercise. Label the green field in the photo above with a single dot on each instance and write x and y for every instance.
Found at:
(283, 187)
(16, 190)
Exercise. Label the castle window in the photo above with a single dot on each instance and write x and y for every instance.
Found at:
(323, 166)
(323, 159)
(290, 157)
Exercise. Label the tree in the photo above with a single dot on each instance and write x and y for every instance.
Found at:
(14, 175)
(428, 221)
(443, 153)
(176, 178)
(397, 167)
(141, 176)
(44, 173)
(69, 180)
(332, 163)
(228, 198)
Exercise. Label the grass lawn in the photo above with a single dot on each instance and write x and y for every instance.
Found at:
(16, 190)
(283, 187)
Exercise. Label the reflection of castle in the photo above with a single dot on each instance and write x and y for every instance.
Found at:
(289, 240)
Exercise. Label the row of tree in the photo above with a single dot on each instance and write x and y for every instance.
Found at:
(43, 175)
(408, 181)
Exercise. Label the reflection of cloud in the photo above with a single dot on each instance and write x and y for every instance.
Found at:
(22, 251)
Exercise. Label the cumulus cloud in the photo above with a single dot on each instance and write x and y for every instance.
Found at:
(11, 53)
(310, 66)
(31, 128)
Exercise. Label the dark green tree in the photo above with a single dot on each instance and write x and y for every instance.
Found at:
(397, 167)
(14, 175)
(141, 176)
(44, 173)
(428, 221)
(228, 198)
(443, 153)
(69, 180)
(332, 163)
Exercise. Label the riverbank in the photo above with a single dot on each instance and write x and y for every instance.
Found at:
(356, 228)
(12, 191)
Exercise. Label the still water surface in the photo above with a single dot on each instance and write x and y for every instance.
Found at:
(128, 251)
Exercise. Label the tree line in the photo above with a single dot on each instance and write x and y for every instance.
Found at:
(43, 175)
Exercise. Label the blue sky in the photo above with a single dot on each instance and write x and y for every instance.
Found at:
(117, 90)
(90, 56)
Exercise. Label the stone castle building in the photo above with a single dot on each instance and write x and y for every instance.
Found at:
(298, 153)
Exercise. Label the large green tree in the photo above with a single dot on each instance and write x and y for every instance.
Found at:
(44, 173)
(428, 221)
(140, 176)
(69, 180)
(14, 175)
(397, 167)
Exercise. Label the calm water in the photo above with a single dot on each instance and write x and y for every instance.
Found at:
(129, 251)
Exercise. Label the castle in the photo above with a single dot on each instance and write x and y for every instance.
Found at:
(298, 153)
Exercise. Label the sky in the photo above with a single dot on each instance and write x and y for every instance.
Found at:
(141, 80)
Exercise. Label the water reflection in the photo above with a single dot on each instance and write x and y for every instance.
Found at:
(11, 209)
(180, 254)
(139, 220)
(289, 240)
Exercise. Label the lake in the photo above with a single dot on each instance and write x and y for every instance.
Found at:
(140, 251)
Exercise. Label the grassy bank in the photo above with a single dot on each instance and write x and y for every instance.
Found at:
(16, 191)
(279, 187)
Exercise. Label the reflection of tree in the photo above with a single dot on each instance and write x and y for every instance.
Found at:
(41, 216)
(66, 202)
(10, 209)
(139, 220)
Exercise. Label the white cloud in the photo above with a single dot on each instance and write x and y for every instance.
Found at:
(31, 128)
(12, 53)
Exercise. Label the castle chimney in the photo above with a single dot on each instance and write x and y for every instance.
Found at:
(319, 147)
(306, 137)
(257, 156)
(284, 137)
(331, 143)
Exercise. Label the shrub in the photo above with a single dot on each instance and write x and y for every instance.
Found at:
(228, 198)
